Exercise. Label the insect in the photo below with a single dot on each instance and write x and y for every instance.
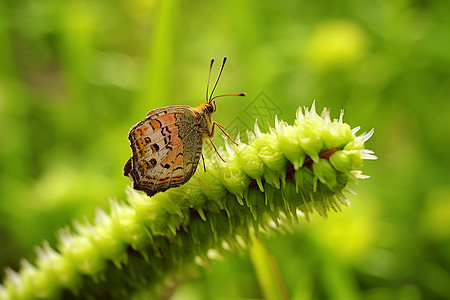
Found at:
(167, 145)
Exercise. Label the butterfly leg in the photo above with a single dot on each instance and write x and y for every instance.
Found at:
(221, 127)
(204, 165)
(217, 151)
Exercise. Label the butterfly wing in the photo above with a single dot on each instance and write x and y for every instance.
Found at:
(166, 148)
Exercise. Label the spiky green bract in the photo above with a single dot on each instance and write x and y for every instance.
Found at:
(265, 184)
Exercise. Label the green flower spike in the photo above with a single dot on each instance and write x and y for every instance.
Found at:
(267, 184)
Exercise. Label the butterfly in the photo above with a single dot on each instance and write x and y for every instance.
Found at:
(166, 146)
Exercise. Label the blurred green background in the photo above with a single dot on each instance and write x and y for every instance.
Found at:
(76, 75)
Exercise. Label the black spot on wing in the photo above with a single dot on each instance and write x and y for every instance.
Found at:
(167, 139)
(152, 162)
(167, 142)
(165, 131)
(155, 147)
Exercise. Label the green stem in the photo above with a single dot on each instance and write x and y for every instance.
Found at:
(266, 269)
(267, 184)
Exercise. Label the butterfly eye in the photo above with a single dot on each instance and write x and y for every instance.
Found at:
(210, 108)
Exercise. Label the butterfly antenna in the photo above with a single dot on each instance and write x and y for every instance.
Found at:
(218, 77)
(241, 94)
(209, 77)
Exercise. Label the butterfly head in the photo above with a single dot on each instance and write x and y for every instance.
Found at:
(210, 107)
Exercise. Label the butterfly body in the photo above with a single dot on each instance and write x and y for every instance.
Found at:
(166, 146)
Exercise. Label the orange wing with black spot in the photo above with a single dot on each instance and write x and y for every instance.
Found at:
(166, 148)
